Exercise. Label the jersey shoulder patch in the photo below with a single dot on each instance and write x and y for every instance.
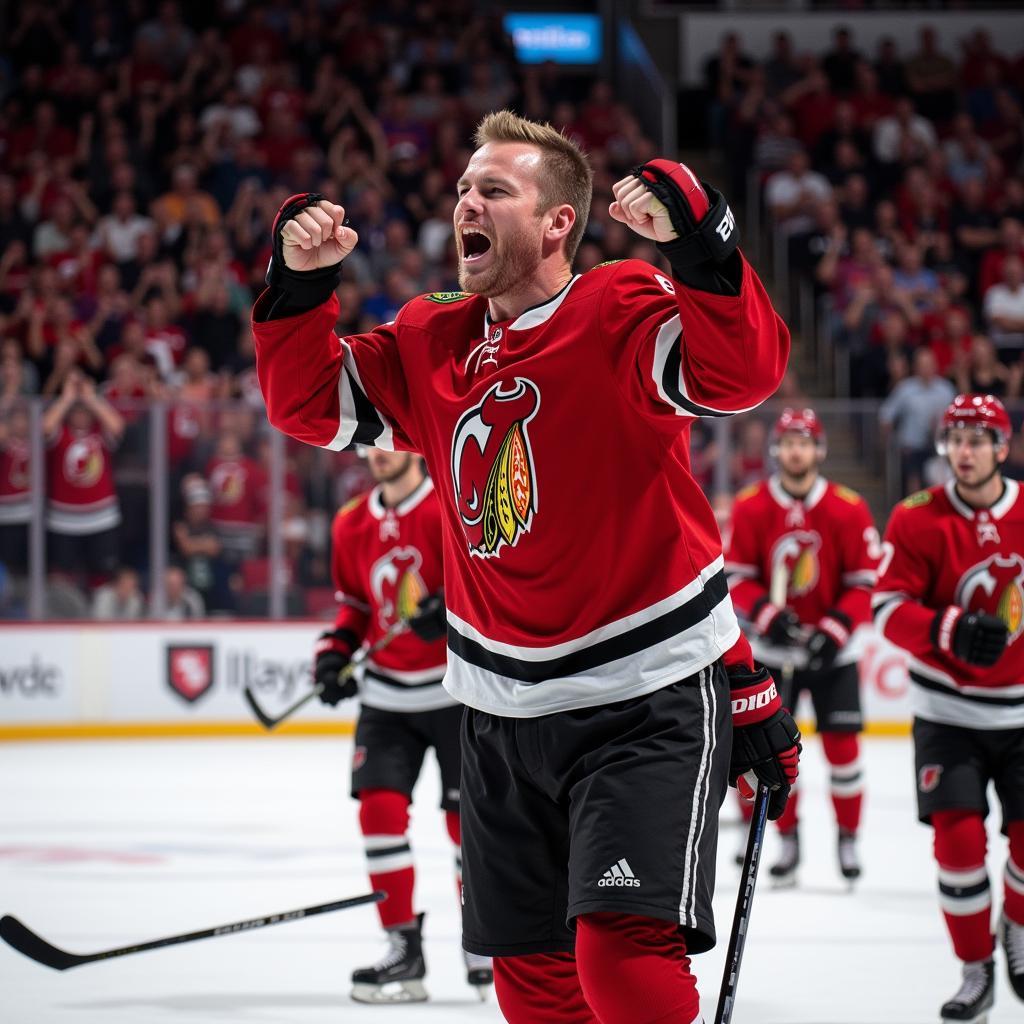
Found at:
(604, 263)
(446, 298)
(748, 492)
(351, 505)
(917, 500)
(848, 494)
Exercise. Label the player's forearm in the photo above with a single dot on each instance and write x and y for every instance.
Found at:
(855, 604)
(298, 362)
(352, 621)
(734, 349)
(904, 622)
(745, 595)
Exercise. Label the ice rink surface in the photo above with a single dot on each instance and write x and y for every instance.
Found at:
(106, 844)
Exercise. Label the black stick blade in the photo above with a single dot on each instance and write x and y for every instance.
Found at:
(265, 720)
(26, 942)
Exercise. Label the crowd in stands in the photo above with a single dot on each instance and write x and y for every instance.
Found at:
(897, 179)
(144, 151)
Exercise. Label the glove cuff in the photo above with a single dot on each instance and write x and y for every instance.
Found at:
(834, 626)
(944, 628)
(755, 701)
(763, 614)
(336, 641)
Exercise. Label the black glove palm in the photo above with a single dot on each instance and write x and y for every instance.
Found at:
(431, 619)
(333, 653)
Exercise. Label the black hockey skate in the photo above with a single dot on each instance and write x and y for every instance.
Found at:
(1012, 937)
(783, 871)
(849, 862)
(398, 976)
(479, 973)
(975, 996)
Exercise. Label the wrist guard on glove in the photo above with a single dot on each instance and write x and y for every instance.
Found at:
(765, 738)
(973, 637)
(431, 619)
(332, 653)
(827, 640)
(779, 626)
(298, 291)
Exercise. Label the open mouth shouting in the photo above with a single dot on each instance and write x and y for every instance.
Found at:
(475, 245)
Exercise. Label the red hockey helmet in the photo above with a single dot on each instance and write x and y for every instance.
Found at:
(798, 421)
(983, 412)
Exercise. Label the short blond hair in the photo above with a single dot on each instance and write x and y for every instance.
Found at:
(565, 174)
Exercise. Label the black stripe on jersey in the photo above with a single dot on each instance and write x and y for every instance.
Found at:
(650, 633)
(387, 851)
(369, 425)
(951, 691)
(963, 892)
(387, 681)
(670, 376)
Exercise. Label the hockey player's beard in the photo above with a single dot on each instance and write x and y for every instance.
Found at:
(394, 475)
(515, 259)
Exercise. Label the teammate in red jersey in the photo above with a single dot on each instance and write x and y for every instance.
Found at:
(951, 593)
(386, 564)
(816, 540)
(15, 493)
(588, 610)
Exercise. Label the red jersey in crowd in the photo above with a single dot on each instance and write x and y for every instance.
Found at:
(15, 493)
(583, 564)
(829, 547)
(237, 489)
(80, 476)
(384, 561)
(939, 552)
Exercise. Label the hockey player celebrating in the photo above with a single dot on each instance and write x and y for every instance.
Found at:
(801, 560)
(951, 593)
(587, 605)
(386, 564)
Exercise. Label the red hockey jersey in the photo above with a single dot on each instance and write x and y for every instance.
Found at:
(384, 561)
(80, 475)
(583, 564)
(827, 543)
(15, 497)
(938, 551)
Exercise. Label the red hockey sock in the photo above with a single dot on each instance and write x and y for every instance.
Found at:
(964, 892)
(634, 970)
(789, 819)
(384, 820)
(542, 988)
(842, 751)
(1013, 878)
(454, 826)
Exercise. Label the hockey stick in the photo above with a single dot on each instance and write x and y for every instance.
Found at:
(777, 590)
(744, 905)
(272, 721)
(25, 941)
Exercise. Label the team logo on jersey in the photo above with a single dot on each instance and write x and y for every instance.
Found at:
(798, 552)
(444, 298)
(83, 461)
(397, 585)
(492, 467)
(995, 586)
(190, 670)
(928, 777)
(227, 481)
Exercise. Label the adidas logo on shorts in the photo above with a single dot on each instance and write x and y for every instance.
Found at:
(619, 875)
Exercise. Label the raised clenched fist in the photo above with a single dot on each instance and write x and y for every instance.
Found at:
(315, 236)
(640, 210)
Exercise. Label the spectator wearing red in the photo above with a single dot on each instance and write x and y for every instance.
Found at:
(15, 483)
(82, 514)
(812, 105)
(1011, 244)
(165, 341)
(238, 489)
(869, 103)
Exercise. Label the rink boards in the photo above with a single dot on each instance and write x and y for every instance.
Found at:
(105, 679)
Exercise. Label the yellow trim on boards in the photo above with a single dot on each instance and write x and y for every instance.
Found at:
(167, 730)
(212, 730)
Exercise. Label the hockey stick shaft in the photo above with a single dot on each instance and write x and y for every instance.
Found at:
(744, 905)
(27, 942)
(273, 721)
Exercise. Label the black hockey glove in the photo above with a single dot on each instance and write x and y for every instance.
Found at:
(704, 254)
(431, 620)
(973, 637)
(293, 292)
(779, 626)
(765, 739)
(827, 640)
(333, 652)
